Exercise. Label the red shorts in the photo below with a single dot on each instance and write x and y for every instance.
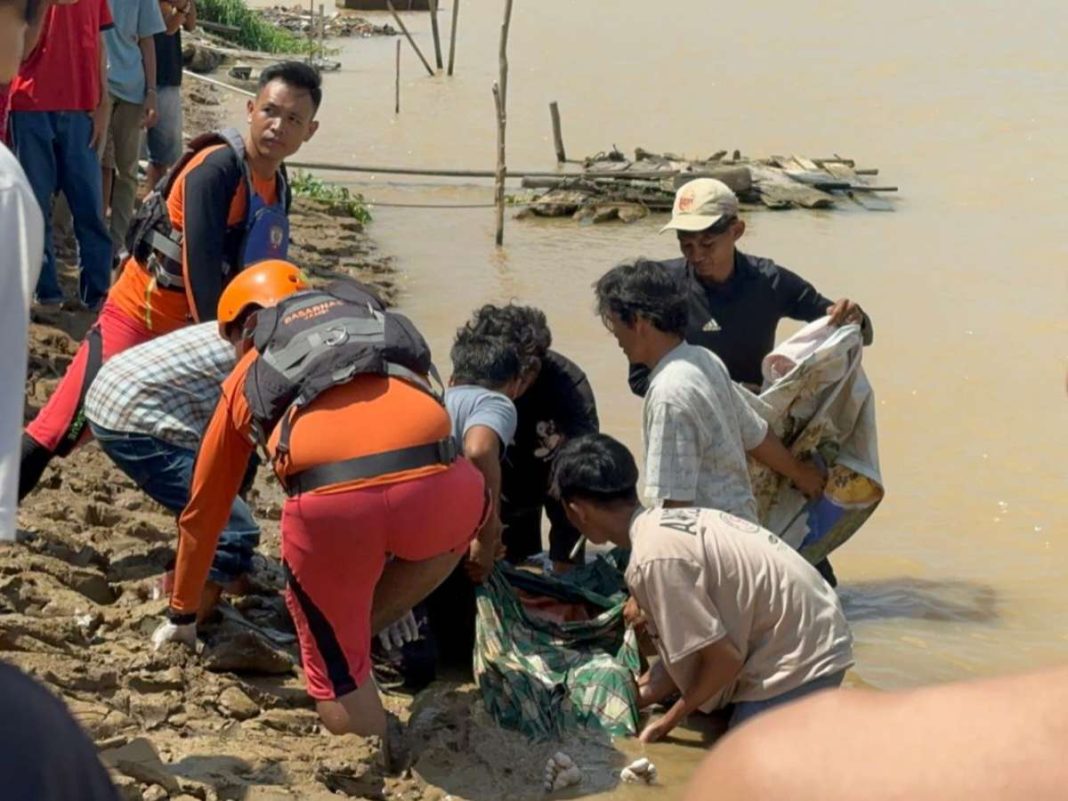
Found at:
(54, 423)
(335, 546)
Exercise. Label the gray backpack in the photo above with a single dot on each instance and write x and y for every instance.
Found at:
(321, 338)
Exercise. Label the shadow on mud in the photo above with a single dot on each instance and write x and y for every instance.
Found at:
(949, 600)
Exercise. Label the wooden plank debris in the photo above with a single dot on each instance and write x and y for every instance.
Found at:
(613, 186)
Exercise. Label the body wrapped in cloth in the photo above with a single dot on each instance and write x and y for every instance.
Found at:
(543, 672)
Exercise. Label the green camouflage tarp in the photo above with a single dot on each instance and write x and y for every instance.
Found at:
(545, 678)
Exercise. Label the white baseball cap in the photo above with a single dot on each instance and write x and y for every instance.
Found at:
(700, 204)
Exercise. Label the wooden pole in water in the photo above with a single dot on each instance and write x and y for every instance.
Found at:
(435, 32)
(500, 98)
(558, 138)
(503, 54)
(452, 34)
(502, 170)
(411, 41)
(322, 31)
(396, 104)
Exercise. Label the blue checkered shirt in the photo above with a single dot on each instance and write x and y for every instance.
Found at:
(166, 388)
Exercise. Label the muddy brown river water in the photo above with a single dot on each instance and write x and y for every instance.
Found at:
(963, 571)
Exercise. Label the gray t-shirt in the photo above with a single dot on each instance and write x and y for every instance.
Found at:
(701, 575)
(697, 427)
(471, 405)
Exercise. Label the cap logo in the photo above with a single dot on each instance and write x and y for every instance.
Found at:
(686, 201)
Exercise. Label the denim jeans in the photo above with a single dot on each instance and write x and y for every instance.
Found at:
(53, 149)
(164, 472)
(743, 710)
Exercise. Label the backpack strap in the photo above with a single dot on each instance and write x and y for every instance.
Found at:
(236, 142)
(443, 452)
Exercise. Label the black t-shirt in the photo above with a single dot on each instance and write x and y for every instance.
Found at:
(169, 59)
(737, 319)
(44, 754)
(558, 406)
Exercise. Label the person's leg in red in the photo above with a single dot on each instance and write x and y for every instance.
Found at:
(330, 580)
(61, 426)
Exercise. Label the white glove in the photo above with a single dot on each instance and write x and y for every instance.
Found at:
(185, 633)
(395, 635)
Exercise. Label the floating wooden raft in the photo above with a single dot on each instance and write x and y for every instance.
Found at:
(613, 187)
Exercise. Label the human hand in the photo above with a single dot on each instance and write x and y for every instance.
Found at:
(480, 560)
(655, 730)
(151, 115)
(396, 634)
(485, 550)
(844, 311)
(101, 115)
(810, 479)
(184, 633)
(632, 613)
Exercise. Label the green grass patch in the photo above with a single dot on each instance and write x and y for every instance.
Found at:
(255, 33)
(338, 198)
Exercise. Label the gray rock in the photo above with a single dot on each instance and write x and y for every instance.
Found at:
(238, 705)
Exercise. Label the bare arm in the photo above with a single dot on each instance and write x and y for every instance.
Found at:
(805, 475)
(172, 20)
(717, 666)
(191, 16)
(34, 28)
(655, 685)
(103, 108)
(147, 45)
(482, 447)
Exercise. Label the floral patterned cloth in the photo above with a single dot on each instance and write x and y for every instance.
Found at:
(819, 401)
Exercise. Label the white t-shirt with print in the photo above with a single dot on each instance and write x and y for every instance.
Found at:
(697, 427)
(701, 575)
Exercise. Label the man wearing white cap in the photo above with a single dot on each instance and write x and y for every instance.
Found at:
(736, 300)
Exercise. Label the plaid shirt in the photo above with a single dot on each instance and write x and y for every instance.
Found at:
(697, 427)
(166, 388)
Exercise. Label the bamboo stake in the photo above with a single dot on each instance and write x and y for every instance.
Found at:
(322, 31)
(311, 31)
(411, 41)
(558, 138)
(500, 97)
(503, 55)
(622, 175)
(396, 105)
(498, 183)
(452, 34)
(435, 32)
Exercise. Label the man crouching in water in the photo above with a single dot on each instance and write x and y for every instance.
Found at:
(739, 617)
(337, 390)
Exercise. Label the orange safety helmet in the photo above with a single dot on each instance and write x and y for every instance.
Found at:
(262, 284)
